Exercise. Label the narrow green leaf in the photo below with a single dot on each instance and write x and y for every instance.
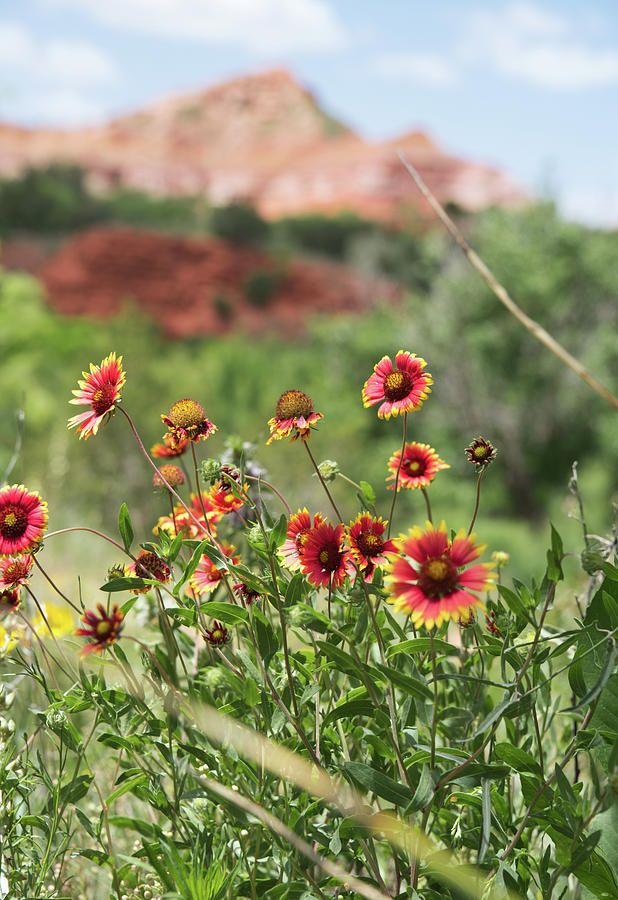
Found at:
(368, 492)
(295, 589)
(493, 716)
(349, 709)
(125, 527)
(192, 566)
(517, 758)
(227, 613)
(380, 784)
(422, 645)
(125, 787)
(423, 793)
(129, 583)
(604, 676)
(279, 533)
(486, 819)
(413, 686)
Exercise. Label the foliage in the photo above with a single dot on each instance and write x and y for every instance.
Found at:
(260, 287)
(238, 222)
(268, 737)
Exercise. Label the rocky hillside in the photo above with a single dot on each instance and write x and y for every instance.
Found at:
(197, 286)
(262, 138)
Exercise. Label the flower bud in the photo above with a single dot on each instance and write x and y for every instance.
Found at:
(329, 469)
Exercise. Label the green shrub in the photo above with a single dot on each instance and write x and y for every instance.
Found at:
(238, 222)
(260, 287)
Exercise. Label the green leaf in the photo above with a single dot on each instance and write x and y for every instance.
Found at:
(604, 675)
(517, 759)
(143, 828)
(251, 692)
(125, 787)
(279, 533)
(493, 716)
(227, 613)
(486, 819)
(267, 640)
(125, 527)
(342, 660)
(380, 784)
(423, 645)
(191, 566)
(295, 589)
(423, 793)
(368, 492)
(349, 709)
(129, 583)
(407, 683)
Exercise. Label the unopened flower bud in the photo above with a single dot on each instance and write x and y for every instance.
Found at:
(211, 470)
(500, 557)
(329, 469)
(480, 452)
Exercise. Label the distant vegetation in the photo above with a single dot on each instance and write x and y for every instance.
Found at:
(491, 377)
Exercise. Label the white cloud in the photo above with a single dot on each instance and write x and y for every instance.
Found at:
(43, 80)
(265, 26)
(421, 68)
(526, 43)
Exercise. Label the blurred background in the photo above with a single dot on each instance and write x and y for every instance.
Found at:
(213, 190)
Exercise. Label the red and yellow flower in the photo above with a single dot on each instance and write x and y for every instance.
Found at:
(399, 388)
(100, 391)
(15, 571)
(366, 539)
(23, 520)
(217, 635)
(184, 523)
(207, 576)
(223, 500)
(429, 581)
(187, 421)
(299, 526)
(480, 452)
(294, 413)
(149, 565)
(103, 627)
(168, 449)
(420, 465)
(323, 557)
(9, 601)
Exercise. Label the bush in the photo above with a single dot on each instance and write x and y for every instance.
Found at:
(260, 287)
(239, 223)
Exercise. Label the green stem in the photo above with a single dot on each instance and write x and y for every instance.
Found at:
(324, 485)
(434, 722)
(427, 504)
(396, 485)
(478, 497)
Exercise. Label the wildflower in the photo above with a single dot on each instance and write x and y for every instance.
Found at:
(217, 635)
(9, 601)
(184, 523)
(207, 576)
(480, 452)
(149, 565)
(100, 391)
(398, 389)
(168, 448)
(223, 500)
(23, 519)
(299, 525)
(187, 421)
(323, 558)
(294, 412)
(419, 467)
(247, 595)
(104, 628)
(118, 570)
(15, 571)
(366, 537)
(172, 475)
(429, 580)
(466, 618)
(500, 557)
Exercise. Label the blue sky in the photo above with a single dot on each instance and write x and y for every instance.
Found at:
(530, 86)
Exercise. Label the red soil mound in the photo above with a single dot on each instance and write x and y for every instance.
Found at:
(195, 286)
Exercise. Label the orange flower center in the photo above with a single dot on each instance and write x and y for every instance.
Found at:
(186, 413)
(293, 404)
(438, 576)
(369, 544)
(398, 385)
(103, 398)
(13, 521)
(330, 557)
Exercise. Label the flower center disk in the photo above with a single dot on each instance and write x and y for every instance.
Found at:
(398, 385)
(294, 404)
(186, 413)
(438, 576)
(103, 398)
(13, 521)
(370, 544)
(330, 557)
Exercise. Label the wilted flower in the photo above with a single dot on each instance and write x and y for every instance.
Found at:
(103, 627)
(168, 448)
(23, 519)
(398, 388)
(173, 475)
(217, 635)
(187, 421)
(100, 390)
(429, 580)
(294, 413)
